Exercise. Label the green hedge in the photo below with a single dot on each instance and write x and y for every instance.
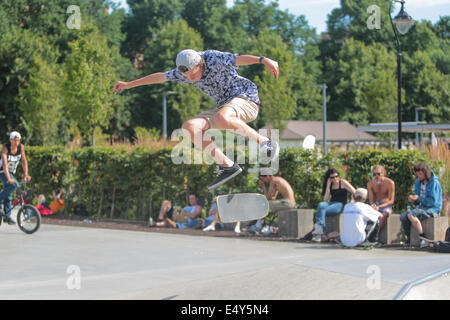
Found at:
(118, 182)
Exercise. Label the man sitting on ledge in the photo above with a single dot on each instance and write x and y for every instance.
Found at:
(277, 185)
(360, 220)
(427, 199)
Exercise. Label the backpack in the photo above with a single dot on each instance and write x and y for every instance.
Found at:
(80, 210)
(443, 247)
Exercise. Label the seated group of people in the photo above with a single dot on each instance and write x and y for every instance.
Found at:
(361, 220)
(364, 221)
(188, 217)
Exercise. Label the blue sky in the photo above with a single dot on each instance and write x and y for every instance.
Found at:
(316, 11)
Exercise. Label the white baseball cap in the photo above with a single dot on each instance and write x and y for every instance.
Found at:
(188, 59)
(14, 135)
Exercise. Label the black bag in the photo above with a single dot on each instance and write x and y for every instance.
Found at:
(443, 247)
(80, 210)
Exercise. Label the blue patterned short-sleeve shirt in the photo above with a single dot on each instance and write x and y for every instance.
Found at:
(220, 81)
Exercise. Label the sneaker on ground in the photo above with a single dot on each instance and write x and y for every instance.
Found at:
(224, 174)
(423, 244)
(209, 228)
(317, 238)
(318, 229)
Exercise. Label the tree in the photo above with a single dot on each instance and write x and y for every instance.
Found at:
(278, 100)
(4, 20)
(17, 51)
(146, 18)
(362, 84)
(426, 86)
(442, 28)
(353, 18)
(41, 104)
(220, 27)
(88, 82)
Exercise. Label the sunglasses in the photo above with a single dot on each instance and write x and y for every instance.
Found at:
(183, 69)
(376, 174)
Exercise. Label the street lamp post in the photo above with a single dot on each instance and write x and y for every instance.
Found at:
(165, 94)
(324, 99)
(403, 22)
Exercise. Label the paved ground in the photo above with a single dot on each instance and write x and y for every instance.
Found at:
(62, 262)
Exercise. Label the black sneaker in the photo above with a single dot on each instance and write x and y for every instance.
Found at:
(270, 149)
(8, 220)
(224, 174)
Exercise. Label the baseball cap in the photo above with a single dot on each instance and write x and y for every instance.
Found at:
(360, 194)
(14, 135)
(187, 60)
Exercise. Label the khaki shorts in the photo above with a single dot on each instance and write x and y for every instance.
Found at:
(246, 110)
(278, 205)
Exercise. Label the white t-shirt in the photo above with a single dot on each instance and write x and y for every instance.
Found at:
(356, 216)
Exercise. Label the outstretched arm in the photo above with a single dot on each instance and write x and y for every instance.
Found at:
(271, 65)
(153, 78)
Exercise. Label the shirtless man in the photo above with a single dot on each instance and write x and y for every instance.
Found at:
(381, 193)
(277, 185)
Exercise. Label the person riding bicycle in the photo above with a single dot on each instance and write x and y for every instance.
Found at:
(12, 153)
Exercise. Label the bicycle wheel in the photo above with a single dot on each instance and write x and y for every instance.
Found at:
(28, 219)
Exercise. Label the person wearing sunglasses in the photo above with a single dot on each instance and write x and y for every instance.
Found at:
(335, 192)
(381, 191)
(427, 199)
(215, 73)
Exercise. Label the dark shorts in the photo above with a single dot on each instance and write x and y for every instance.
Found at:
(385, 210)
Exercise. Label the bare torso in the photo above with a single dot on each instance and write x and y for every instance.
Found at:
(381, 191)
(283, 187)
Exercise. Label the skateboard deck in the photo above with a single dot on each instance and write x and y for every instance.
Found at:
(242, 207)
(429, 240)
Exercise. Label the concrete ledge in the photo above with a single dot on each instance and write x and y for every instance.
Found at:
(334, 223)
(433, 228)
(295, 223)
(392, 230)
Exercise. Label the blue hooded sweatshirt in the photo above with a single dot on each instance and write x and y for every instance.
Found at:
(433, 195)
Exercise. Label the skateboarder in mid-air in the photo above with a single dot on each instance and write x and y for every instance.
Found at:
(214, 73)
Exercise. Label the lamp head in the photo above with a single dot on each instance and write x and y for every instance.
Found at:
(403, 20)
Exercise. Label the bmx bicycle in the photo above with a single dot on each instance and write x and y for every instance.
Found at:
(28, 217)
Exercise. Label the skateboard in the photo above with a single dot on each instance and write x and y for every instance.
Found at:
(434, 242)
(242, 207)
(361, 246)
